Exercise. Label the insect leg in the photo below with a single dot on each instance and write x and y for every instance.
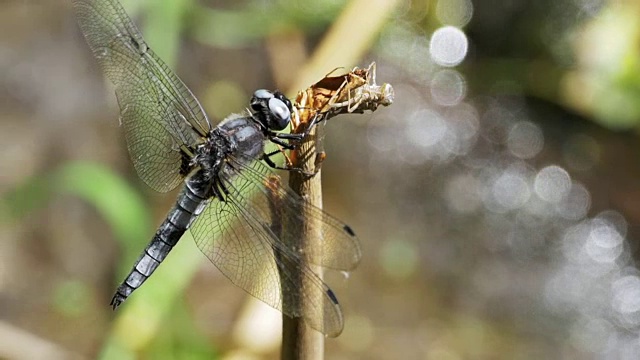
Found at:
(289, 167)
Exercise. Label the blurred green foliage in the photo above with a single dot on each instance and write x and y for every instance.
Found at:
(164, 21)
(182, 340)
(233, 28)
(72, 298)
(120, 205)
(141, 319)
(613, 75)
(115, 199)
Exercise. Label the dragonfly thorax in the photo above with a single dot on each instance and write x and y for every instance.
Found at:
(235, 142)
(240, 137)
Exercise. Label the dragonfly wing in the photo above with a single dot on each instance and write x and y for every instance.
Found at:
(237, 236)
(163, 121)
(338, 248)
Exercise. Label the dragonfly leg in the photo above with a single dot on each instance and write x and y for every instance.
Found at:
(288, 167)
(317, 118)
(285, 136)
(274, 138)
(278, 138)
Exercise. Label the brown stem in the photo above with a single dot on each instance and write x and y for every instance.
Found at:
(349, 38)
(299, 341)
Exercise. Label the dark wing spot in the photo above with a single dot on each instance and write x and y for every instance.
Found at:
(348, 230)
(332, 296)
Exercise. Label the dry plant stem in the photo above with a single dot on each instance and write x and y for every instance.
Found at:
(299, 341)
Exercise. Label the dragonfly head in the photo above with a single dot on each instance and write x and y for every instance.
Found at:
(272, 109)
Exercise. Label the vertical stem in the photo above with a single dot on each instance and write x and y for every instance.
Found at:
(349, 38)
(299, 341)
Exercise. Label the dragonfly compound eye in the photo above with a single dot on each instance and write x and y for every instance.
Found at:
(281, 116)
(260, 98)
(262, 94)
(279, 95)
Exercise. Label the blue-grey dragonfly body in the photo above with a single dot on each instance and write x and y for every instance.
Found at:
(228, 200)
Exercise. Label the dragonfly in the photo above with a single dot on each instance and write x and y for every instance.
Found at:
(229, 198)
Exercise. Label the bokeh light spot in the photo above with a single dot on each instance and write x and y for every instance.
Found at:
(525, 140)
(454, 12)
(604, 243)
(552, 184)
(448, 87)
(448, 46)
(425, 128)
(626, 299)
(510, 190)
(614, 219)
(576, 204)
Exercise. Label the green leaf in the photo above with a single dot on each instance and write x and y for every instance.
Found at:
(121, 206)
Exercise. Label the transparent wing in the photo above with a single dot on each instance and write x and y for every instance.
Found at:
(340, 249)
(161, 117)
(237, 237)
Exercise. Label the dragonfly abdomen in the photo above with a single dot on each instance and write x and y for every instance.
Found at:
(167, 236)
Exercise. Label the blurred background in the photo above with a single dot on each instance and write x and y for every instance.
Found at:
(496, 199)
